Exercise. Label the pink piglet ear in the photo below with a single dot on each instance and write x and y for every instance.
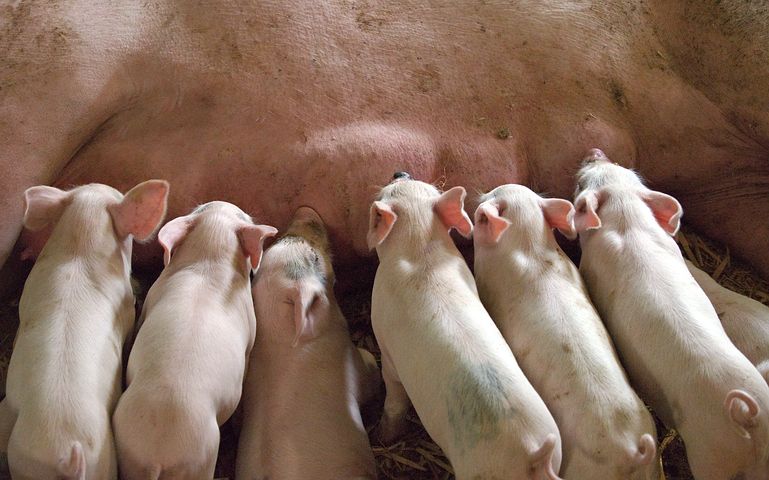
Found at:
(172, 234)
(42, 206)
(666, 210)
(489, 225)
(142, 210)
(380, 223)
(450, 208)
(306, 302)
(586, 206)
(252, 241)
(559, 214)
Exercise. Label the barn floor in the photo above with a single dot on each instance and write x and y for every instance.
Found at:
(415, 456)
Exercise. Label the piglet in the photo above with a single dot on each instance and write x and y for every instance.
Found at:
(186, 368)
(745, 320)
(440, 348)
(306, 380)
(75, 312)
(667, 333)
(536, 297)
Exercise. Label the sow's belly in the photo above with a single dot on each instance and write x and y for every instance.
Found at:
(270, 169)
(289, 108)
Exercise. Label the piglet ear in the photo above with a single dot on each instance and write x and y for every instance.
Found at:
(306, 302)
(43, 205)
(252, 241)
(489, 225)
(450, 208)
(559, 214)
(172, 234)
(586, 205)
(666, 210)
(380, 222)
(142, 210)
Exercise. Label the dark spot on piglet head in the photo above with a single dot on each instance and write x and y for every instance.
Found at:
(401, 176)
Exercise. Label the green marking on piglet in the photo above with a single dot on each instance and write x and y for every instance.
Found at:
(477, 404)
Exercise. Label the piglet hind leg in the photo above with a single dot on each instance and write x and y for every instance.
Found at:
(396, 403)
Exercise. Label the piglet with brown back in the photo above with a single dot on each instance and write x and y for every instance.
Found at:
(186, 368)
(75, 313)
(306, 380)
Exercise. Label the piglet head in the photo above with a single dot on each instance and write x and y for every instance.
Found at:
(419, 203)
(518, 206)
(297, 270)
(136, 214)
(599, 180)
(218, 214)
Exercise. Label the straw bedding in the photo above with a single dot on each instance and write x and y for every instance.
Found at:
(415, 456)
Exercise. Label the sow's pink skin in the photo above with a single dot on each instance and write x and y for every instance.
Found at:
(306, 379)
(75, 313)
(186, 368)
(441, 350)
(536, 297)
(669, 336)
(745, 320)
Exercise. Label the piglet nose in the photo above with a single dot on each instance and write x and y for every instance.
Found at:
(595, 154)
(401, 176)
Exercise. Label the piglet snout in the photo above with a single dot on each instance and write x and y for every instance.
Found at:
(595, 154)
(401, 176)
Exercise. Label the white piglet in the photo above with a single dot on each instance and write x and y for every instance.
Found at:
(306, 380)
(536, 296)
(667, 333)
(746, 321)
(186, 368)
(440, 348)
(75, 312)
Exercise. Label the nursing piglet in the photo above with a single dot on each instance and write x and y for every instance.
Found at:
(536, 297)
(745, 320)
(75, 312)
(186, 368)
(440, 348)
(306, 379)
(667, 333)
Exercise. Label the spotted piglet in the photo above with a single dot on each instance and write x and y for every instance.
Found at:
(306, 380)
(745, 320)
(75, 313)
(672, 344)
(536, 297)
(186, 368)
(440, 348)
